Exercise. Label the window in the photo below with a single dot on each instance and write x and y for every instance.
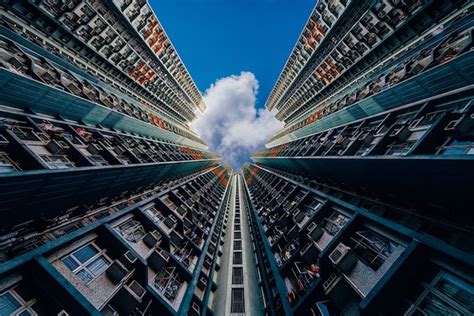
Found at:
(132, 231)
(237, 257)
(237, 235)
(237, 245)
(237, 275)
(447, 295)
(87, 263)
(11, 303)
(237, 301)
(236, 227)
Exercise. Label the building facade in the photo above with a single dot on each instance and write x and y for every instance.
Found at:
(110, 204)
(360, 205)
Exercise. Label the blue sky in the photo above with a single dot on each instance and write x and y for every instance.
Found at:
(218, 38)
(234, 50)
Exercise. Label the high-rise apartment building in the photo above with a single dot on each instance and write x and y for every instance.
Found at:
(109, 203)
(360, 205)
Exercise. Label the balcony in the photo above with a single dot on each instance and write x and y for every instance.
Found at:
(300, 278)
(365, 259)
(142, 240)
(166, 222)
(307, 212)
(167, 280)
(13, 59)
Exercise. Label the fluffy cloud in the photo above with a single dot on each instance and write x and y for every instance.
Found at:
(231, 124)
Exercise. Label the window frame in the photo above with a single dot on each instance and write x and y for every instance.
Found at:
(101, 253)
(24, 305)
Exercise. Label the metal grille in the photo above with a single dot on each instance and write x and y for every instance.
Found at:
(237, 257)
(237, 301)
(237, 276)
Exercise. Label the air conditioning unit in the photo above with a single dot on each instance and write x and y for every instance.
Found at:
(195, 309)
(57, 147)
(94, 149)
(202, 283)
(116, 272)
(119, 150)
(366, 138)
(128, 259)
(343, 258)
(316, 233)
(415, 122)
(181, 210)
(170, 221)
(298, 217)
(339, 253)
(309, 253)
(151, 239)
(401, 133)
(158, 259)
(136, 290)
(462, 124)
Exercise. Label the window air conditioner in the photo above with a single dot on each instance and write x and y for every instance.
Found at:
(202, 283)
(94, 149)
(298, 218)
(150, 239)
(462, 124)
(116, 272)
(316, 233)
(195, 309)
(128, 259)
(366, 138)
(339, 253)
(170, 221)
(401, 133)
(343, 258)
(57, 147)
(136, 290)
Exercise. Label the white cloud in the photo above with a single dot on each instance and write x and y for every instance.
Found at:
(231, 124)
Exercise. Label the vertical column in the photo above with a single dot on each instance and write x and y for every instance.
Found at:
(238, 292)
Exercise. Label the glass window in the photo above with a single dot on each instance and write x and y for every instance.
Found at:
(97, 266)
(87, 263)
(457, 290)
(70, 263)
(85, 253)
(8, 304)
(447, 295)
(433, 305)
